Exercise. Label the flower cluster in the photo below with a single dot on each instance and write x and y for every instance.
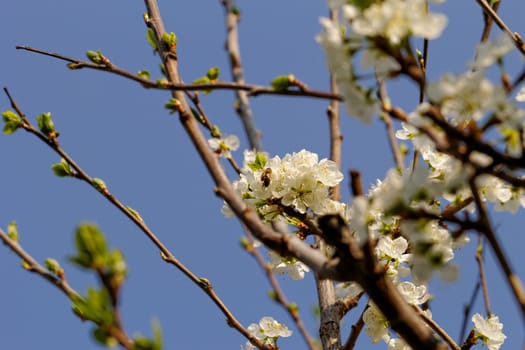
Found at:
(298, 181)
(268, 331)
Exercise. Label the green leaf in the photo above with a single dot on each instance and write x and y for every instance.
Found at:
(281, 83)
(11, 121)
(54, 267)
(152, 40)
(91, 247)
(259, 162)
(62, 169)
(99, 184)
(46, 125)
(213, 73)
(157, 335)
(143, 343)
(12, 231)
(96, 307)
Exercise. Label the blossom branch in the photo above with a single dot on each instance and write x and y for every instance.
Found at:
(251, 89)
(482, 276)
(242, 104)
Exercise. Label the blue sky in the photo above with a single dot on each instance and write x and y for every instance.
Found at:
(121, 133)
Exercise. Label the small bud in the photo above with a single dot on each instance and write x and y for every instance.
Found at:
(46, 125)
(12, 231)
(62, 169)
(95, 56)
(216, 132)
(54, 267)
(170, 40)
(99, 184)
(213, 73)
(144, 74)
(282, 82)
(134, 213)
(173, 105)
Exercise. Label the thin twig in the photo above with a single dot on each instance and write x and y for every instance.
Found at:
(32, 265)
(354, 333)
(482, 276)
(444, 335)
(466, 311)
(253, 90)
(486, 228)
(489, 11)
(385, 117)
(234, 54)
(280, 297)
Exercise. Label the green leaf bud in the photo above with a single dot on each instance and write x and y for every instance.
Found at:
(12, 231)
(91, 247)
(282, 82)
(95, 56)
(173, 105)
(213, 73)
(170, 40)
(46, 125)
(62, 169)
(99, 184)
(135, 213)
(144, 74)
(54, 267)
(11, 121)
(216, 132)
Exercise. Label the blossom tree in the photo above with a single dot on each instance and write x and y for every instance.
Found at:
(456, 162)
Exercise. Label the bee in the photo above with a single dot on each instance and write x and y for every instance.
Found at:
(266, 177)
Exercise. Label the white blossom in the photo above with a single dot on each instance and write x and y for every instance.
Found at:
(490, 51)
(397, 19)
(490, 330)
(376, 324)
(224, 146)
(293, 267)
(268, 331)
